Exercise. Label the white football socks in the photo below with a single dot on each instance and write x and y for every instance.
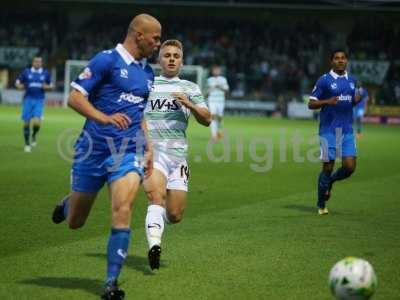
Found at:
(155, 224)
(214, 128)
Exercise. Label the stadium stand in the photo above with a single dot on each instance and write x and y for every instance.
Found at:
(264, 59)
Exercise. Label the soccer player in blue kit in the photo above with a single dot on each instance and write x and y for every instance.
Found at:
(35, 81)
(112, 93)
(360, 108)
(335, 94)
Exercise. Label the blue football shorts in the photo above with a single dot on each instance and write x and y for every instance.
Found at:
(90, 177)
(32, 108)
(333, 146)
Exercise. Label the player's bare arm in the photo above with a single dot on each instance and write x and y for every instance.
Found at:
(19, 85)
(317, 104)
(47, 87)
(80, 103)
(201, 114)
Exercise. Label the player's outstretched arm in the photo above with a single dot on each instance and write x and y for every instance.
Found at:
(317, 104)
(201, 114)
(78, 102)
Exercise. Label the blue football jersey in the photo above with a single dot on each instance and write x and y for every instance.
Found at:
(340, 115)
(114, 82)
(364, 98)
(33, 80)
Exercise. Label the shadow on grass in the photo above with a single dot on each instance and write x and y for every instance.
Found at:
(138, 263)
(302, 208)
(92, 286)
(310, 209)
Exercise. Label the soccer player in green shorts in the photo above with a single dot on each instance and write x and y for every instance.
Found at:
(170, 105)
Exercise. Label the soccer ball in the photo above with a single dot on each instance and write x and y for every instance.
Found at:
(352, 279)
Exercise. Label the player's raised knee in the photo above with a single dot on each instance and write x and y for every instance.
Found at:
(175, 216)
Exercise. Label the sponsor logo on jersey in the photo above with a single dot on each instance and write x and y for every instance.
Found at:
(164, 104)
(129, 97)
(124, 73)
(86, 74)
(344, 98)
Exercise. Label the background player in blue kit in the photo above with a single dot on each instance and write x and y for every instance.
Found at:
(35, 81)
(335, 94)
(360, 108)
(111, 93)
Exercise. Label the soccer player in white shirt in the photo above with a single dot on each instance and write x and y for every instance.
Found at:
(218, 87)
(167, 114)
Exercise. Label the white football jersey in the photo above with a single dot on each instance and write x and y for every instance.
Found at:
(166, 118)
(217, 87)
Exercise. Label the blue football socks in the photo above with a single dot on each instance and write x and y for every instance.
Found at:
(117, 251)
(26, 135)
(35, 131)
(324, 180)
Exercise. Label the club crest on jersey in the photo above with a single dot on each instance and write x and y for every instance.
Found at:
(42, 77)
(334, 86)
(86, 74)
(124, 73)
(352, 85)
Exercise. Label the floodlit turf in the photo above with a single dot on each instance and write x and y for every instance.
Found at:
(245, 235)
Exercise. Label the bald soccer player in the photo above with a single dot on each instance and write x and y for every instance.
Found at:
(111, 93)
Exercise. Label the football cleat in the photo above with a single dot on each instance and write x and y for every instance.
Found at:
(154, 257)
(113, 292)
(323, 211)
(58, 214)
(27, 149)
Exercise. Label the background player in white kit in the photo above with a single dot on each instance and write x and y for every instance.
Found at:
(167, 114)
(217, 87)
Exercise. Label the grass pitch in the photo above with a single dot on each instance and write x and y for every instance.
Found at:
(248, 233)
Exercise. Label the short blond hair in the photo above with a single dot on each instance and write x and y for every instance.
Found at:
(174, 43)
